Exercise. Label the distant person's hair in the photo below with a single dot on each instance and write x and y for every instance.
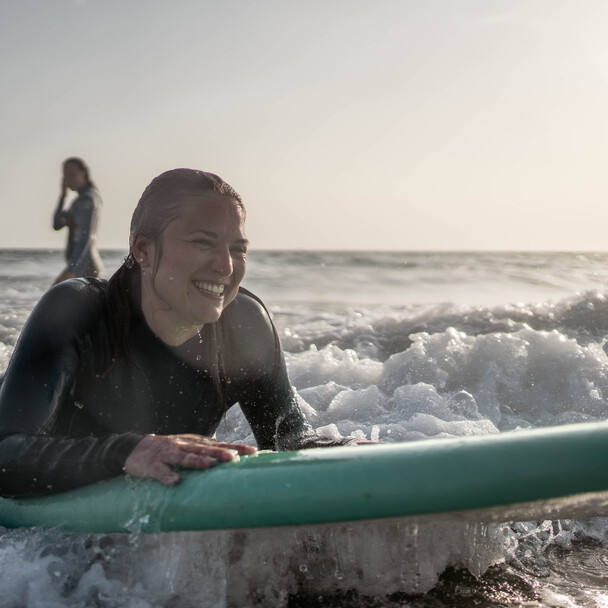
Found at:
(82, 166)
(160, 204)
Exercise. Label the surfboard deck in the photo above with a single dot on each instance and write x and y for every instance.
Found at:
(325, 485)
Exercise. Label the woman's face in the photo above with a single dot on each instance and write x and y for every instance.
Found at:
(73, 177)
(201, 266)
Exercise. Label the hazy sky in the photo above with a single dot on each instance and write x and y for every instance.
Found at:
(344, 124)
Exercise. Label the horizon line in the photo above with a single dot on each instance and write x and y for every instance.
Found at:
(321, 250)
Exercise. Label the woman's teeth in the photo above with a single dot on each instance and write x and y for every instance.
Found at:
(216, 290)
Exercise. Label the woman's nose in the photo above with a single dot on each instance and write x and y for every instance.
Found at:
(222, 261)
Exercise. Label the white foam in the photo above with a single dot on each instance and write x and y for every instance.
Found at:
(332, 364)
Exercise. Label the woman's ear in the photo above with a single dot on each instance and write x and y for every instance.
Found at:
(141, 250)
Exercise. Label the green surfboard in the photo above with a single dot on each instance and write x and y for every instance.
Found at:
(327, 485)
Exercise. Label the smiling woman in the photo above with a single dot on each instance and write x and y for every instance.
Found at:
(134, 375)
(200, 271)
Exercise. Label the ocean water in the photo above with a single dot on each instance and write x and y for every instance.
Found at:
(391, 346)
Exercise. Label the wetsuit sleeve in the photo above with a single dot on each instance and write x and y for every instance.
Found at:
(277, 420)
(60, 218)
(82, 213)
(268, 400)
(274, 414)
(36, 385)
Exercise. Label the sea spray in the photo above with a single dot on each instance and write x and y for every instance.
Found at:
(238, 568)
(221, 569)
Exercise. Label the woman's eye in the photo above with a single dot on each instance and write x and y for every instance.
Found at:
(242, 251)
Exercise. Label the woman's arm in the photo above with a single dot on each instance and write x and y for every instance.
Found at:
(267, 398)
(33, 465)
(60, 218)
(36, 386)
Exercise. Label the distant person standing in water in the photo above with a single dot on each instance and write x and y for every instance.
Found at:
(81, 219)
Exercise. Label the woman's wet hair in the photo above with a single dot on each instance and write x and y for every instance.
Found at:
(161, 203)
(81, 166)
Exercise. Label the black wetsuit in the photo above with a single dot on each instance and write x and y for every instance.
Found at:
(63, 423)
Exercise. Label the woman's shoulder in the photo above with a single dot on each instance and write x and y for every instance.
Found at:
(246, 304)
(81, 287)
(87, 197)
(249, 333)
(247, 312)
(74, 299)
(64, 314)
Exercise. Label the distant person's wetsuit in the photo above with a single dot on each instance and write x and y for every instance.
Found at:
(81, 219)
(69, 418)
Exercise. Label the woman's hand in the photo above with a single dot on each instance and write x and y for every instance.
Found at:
(155, 455)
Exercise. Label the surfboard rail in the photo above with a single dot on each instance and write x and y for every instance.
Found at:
(326, 485)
